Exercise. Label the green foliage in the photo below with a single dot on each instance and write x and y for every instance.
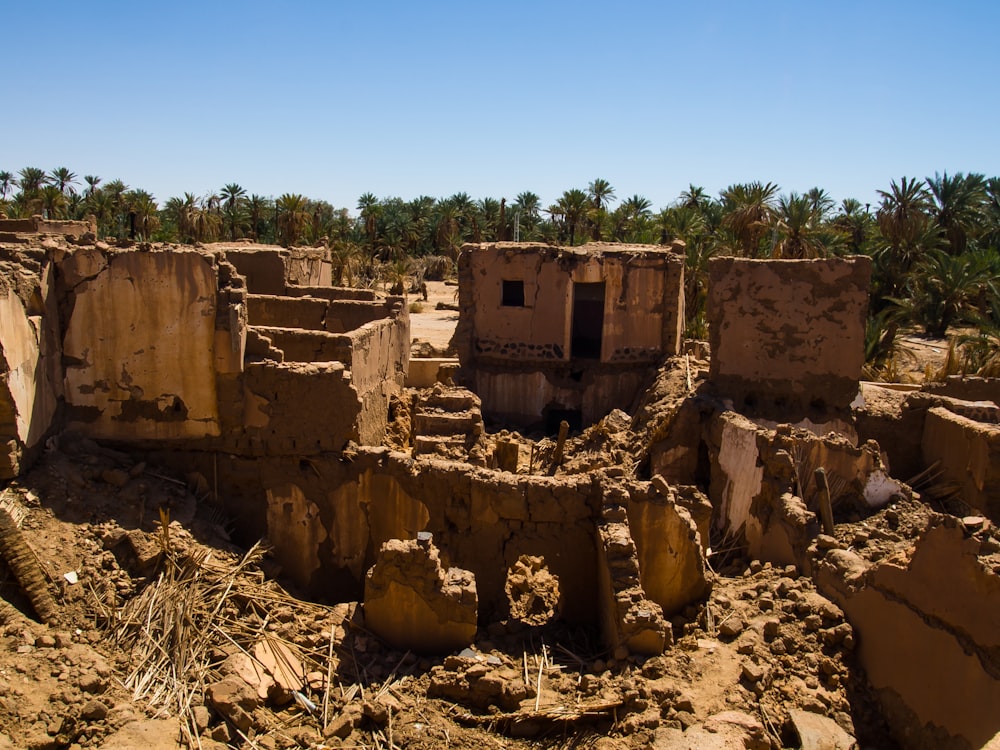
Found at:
(935, 243)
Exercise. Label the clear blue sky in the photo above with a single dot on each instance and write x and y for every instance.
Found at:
(334, 99)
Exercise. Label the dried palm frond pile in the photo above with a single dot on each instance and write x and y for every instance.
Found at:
(199, 611)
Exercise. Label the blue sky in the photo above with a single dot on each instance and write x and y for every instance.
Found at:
(334, 99)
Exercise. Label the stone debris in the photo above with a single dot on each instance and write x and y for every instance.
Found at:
(533, 591)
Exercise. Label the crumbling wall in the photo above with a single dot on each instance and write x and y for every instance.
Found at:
(40, 226)
(30, 367)
(415, 602)
(337, 512)
(281, 414)
(629, 619)
(764, 490)
(789, 333)
(669, 547)
(139, 343)
(969, 456)
(643, 300)
(928, 625)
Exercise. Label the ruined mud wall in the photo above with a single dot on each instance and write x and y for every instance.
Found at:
(327, 517)
(139, 343)
(968, 453)
(517, 353)
(788, 333)
(30, 367)
(270, 269)
(36, 225)
(928, 625)
(763, 486)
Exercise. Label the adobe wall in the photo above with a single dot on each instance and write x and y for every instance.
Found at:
(969, 452)
(763, 486)
(30, 367)
(38, 225)
(643, 300)
(928, 626)
(788, 333)
(519, 358)
(328, 517)
(139, 343)
(150, 345)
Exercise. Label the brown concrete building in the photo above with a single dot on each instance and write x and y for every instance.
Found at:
(551, 333)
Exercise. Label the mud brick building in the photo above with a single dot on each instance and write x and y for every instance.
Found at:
(550, 333)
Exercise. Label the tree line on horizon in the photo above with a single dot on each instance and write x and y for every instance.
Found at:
(935, 242)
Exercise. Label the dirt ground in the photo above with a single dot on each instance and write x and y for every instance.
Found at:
(431, 326)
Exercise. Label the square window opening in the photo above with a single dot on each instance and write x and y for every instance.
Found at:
(512, 294)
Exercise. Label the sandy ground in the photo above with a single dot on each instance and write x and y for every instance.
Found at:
(430, 325)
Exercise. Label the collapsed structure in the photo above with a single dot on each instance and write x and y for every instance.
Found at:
(239, 365)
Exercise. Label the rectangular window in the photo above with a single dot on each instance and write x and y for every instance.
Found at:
(513, 294)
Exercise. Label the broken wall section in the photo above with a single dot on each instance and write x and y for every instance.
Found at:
(788, 335)
(328, 517)
(928, 625)
(764, 490)
(139, 343)
(30, 361)
(968, 454)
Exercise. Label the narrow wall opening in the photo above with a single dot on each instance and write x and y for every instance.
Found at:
(588, 320)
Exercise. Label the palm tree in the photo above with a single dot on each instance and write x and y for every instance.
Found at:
(749, 214)
(62, 178)
(32, 179)
(694, 197)
(631, 218)
(233, 197)
(92, 182)
(959, 205)
(257, 205)
(798, 228)
(116, 190)
(101, 205)
(368, 205)
(821, 202)
(53, 202)
(6, 183)
(572, 206)
(601, 195)
(903, 212)
(904, 221)
(943, 289)
(143, 214)
(855, 224)
(293, 216)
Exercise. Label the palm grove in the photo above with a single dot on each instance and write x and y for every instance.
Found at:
(935, 243)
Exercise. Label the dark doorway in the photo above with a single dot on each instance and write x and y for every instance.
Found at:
(588, 321)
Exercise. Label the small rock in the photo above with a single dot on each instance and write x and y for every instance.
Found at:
(753, 672)
(202, 718)
(115, 477)
(94, 710)
(771, 627)
(731, 627)
(826, 542)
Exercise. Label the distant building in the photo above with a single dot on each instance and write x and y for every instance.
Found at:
(550, 333)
